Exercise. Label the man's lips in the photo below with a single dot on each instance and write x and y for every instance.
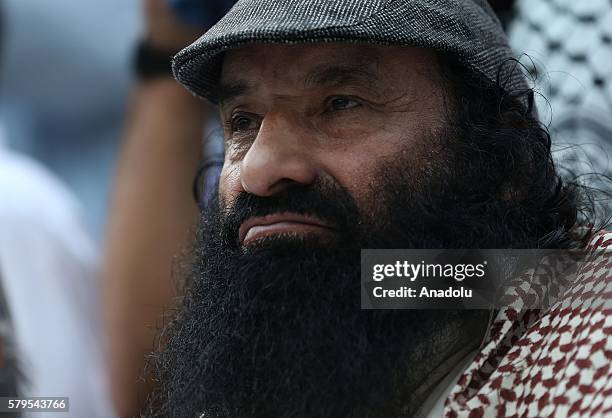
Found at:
(260, 226)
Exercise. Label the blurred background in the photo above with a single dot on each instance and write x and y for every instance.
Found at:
(65, 78)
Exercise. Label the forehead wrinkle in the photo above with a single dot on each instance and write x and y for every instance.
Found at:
(341, 74)
(227, 92)
(347, 68)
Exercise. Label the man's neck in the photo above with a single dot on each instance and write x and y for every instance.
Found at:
(437, 387)
(445, 356)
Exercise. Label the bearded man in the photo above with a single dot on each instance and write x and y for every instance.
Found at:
(371, 124)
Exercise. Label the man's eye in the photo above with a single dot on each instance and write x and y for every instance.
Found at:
(342, 103)
(242, 123)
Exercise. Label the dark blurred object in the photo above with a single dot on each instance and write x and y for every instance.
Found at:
(206, 181)
(201, 13)
(502, 6)
(9, 372)
(505, 10)
(150, 62)
(213, 150)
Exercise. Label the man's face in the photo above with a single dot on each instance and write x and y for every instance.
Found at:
(329, 149)
(295, 114)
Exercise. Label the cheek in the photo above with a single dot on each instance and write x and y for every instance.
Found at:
(356, 167)
(398, 149)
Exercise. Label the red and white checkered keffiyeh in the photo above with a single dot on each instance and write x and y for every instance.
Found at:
(552, 363)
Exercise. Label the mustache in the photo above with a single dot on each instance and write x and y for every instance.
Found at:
(324, 199)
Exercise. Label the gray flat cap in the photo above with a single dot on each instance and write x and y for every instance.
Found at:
(468, 29)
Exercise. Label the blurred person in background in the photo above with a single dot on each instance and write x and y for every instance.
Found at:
(50, 329)
(569, 45)
(48, 273)
(66, 107)
(153, 211)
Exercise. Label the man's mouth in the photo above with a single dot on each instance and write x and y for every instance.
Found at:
(256, 228)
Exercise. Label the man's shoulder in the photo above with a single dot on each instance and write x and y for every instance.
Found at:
(550, 363)
(601, 240)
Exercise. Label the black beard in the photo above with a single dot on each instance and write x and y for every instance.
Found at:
(277, 331)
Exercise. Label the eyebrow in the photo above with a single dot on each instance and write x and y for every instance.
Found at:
(323, 76)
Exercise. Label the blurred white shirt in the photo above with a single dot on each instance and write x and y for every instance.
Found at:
(48, 265)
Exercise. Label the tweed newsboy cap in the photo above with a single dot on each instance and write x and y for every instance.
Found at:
(468, 29)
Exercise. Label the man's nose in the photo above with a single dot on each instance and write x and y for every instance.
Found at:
(278, 158)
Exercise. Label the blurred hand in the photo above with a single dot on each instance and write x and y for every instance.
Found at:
(164, 29)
